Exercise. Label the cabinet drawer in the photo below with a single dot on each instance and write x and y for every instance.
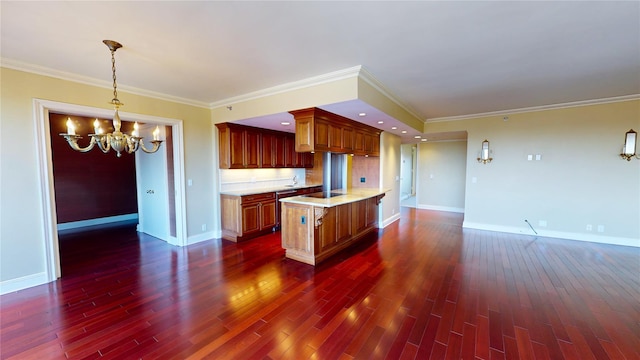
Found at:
(258, 197)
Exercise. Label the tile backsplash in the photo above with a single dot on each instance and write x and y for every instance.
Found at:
(242, 179)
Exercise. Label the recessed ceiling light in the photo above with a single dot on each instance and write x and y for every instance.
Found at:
(285, 123)
(394, 128)
(362, 114)
(380, 122)
(404, 131)
(424, 140)
(417, 136)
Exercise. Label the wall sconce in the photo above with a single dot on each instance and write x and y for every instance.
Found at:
(485, 152)
(629, 147)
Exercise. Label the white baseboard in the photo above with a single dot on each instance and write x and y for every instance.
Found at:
(98, 221)
(440, 208)
(386, 222)
(203, 237)
(555, 234)
(23, 283)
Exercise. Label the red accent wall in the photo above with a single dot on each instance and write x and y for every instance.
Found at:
(90, 185)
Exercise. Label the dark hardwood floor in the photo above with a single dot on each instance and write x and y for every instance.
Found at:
(421, 288)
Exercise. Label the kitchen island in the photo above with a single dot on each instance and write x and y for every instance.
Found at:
(316, 226)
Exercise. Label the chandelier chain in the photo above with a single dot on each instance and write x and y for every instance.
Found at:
(115, 100)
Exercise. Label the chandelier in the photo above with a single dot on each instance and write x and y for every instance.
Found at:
(118, 141)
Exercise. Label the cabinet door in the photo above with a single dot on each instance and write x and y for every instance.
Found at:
(289, 152)
(267, 215)
(359, 216)
(335, 137)
(250, 218)
(376, 145)
(252, 149)
(347, 138)
(236, 148)
(279, 151)
(322, 135)
(343, 223)
(327, 230)
(268, 150)
(358, 142)
(307, 160)
(372, 211)
(368, 143)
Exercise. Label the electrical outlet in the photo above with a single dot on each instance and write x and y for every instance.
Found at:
(204, 227)
(589, 227)
(542, 223)
(600, 228)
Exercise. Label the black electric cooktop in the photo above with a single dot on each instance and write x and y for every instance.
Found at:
(324, 195)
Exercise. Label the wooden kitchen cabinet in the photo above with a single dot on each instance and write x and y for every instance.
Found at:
(248, 216)
(239, 146)
(319, 130)
(247, 147)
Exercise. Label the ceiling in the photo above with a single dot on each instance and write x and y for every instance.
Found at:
(438, 59)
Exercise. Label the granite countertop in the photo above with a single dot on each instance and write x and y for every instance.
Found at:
(267, 190)
(344, 197)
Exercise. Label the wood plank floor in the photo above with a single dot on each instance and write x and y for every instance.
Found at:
(421, 288)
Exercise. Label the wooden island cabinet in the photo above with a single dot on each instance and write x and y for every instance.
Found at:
(314, 229)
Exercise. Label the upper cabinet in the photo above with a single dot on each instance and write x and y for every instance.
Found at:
(247, 147)
(319, 130)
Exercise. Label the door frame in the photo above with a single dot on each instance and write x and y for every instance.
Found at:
(45, 171)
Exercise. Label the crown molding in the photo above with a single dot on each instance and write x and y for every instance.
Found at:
(295, 85)
(537, 108)
(86, 80)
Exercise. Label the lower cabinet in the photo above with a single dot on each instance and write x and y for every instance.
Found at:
(249, 216)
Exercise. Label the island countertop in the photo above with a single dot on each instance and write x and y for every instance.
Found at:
(342, 197)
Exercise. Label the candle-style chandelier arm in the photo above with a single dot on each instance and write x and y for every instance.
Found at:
(103, 141)
(155, 143)
(73, 142)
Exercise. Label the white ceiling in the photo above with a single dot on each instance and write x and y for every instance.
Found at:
(440, 59)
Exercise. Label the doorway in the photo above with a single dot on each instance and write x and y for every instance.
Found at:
(408, 163)
(43, 141)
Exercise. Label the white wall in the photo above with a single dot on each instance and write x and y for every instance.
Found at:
(390, 177)
(441, 175)
(579, 181)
